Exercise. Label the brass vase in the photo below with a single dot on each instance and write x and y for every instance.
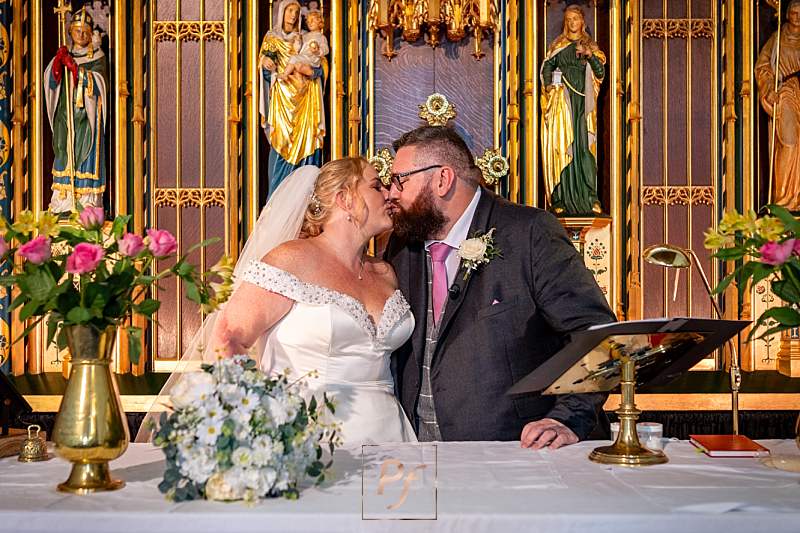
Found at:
(90, 428)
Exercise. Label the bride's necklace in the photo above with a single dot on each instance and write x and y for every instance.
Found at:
(361, 262)
(361, 268)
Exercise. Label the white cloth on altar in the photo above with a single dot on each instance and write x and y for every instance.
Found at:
(482, 487)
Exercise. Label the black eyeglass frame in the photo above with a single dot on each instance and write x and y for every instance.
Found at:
(395, 178)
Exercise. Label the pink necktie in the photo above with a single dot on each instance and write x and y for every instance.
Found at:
(439, 252)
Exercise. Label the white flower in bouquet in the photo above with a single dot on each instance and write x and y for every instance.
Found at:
(191, 389)
(278, 410)
(231, 394)
(249, 402)
(242, 456)
(209, 430)
(197, 463)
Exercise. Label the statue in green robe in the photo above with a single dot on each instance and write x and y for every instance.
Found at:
(571, 74)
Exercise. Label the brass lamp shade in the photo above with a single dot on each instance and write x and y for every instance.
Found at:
(667, 255)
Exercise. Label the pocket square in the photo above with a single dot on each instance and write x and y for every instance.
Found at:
(495, 301)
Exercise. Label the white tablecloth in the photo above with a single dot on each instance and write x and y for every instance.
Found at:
(483, 486)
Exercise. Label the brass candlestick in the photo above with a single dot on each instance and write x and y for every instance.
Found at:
(627, 450)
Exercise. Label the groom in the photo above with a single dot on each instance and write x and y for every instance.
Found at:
(475, 337)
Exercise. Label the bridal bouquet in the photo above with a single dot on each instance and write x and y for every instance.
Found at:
(766, 247)
(236, 433)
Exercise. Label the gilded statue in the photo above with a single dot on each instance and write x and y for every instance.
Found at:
(293, 72)
(76, 96)
(781, 53)
(571, 74)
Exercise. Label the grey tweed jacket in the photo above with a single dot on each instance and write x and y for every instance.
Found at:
(510, 316)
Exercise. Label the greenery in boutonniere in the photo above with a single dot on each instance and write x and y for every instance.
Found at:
(477, 251)
(766, 247)
(79, 274)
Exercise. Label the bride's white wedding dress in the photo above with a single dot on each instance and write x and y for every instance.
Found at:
(332, 333)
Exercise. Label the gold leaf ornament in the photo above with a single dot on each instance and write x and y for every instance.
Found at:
(493, 165)
(437, 110)
(382, 161)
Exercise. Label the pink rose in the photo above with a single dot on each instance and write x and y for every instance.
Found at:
(3, 247)
(37, 250)
(84, 258)
(130, 245)
(773, 253)
(92, 217)
(797, 247)
(162, 242)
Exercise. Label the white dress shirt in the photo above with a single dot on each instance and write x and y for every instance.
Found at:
(458, 234)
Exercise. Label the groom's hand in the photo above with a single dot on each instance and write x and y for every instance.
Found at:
(546, 432)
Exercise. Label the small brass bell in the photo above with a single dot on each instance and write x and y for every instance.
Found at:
(34, 447)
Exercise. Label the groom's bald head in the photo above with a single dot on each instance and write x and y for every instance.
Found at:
(440, 145)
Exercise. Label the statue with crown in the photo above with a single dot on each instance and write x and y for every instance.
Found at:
(76, 95)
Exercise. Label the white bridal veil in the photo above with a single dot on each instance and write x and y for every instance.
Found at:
(279, 221)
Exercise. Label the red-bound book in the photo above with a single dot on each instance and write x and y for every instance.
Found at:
(728, 446)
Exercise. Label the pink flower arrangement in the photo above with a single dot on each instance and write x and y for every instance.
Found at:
(67, 276)
(84, 258)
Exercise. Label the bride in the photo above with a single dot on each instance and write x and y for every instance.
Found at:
(309, 299)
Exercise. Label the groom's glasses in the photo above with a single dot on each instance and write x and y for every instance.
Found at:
(396, 178)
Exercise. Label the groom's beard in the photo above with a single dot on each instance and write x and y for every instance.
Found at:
(423, 220)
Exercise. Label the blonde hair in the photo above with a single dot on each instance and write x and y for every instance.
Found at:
(341, 175)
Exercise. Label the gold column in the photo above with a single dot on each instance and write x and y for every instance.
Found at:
(137, 24)
(153, 137)
(634, 117)
(617, 152)
(36, 112)
(531, 105)
(121, 361)
(512, 43)
(353, 85)
(337, 81)
(748, 168)
(232, 131)
(120, 44)
(370, 92)
(18, 169)
(253, 126)
(498, 91)
(731, 307)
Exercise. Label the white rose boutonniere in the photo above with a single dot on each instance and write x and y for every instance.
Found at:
(478, 250)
